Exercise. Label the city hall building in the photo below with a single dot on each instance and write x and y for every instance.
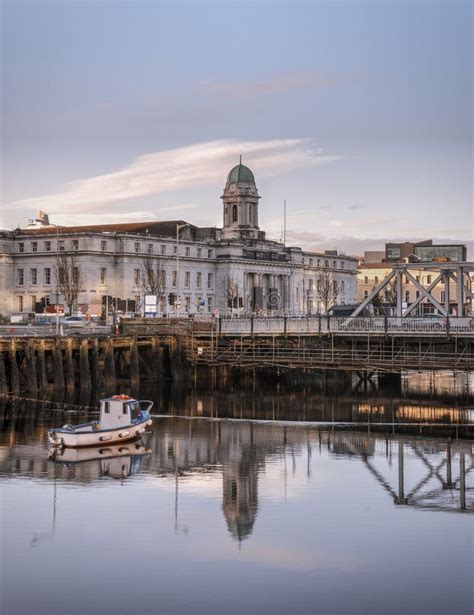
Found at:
(200, 270)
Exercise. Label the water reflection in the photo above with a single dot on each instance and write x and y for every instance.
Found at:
(297, 514)
(118, 461)
(412, 470)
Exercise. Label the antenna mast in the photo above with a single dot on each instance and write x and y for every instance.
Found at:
(284, 222)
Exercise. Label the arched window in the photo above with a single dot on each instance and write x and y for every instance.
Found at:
(234, 213)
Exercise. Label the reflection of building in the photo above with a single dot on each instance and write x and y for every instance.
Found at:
(240, 479)
(235, 266)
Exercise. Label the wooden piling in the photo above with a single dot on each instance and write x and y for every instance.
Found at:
(58, 367)
(41, 361)
(14, 371)
(31, 378)
(134, 364)
(109, 366)
(84, 369)
(95, 373)
(3, 375)
(69, 366)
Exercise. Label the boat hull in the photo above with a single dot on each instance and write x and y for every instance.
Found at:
(64, 437)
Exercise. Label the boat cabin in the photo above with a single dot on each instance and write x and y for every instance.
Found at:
(118, 410)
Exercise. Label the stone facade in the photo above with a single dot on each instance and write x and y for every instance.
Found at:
(234, 268)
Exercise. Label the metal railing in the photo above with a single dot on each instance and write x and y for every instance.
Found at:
(323, 325)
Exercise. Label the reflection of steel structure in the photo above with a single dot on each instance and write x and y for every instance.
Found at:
(453, 494)
(447, 274)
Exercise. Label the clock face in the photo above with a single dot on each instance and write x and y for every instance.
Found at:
(232, 188)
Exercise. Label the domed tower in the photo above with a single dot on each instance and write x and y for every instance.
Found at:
(240, 201)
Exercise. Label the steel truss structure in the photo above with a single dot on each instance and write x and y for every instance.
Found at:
(459, 273)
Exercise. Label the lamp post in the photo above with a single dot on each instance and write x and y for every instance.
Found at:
(56, 226)
(177, 301)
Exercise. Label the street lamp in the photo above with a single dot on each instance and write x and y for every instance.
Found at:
(56, 226)
(177, 301)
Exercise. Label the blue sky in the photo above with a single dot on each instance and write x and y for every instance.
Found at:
(357, 113)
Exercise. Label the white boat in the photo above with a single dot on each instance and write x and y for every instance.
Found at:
(121, 418)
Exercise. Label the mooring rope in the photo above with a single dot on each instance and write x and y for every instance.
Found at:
(48, 401)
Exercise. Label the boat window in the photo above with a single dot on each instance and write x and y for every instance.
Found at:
(107, 407)
(136, 411)
(125, 408)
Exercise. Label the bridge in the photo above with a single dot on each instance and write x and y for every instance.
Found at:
(364, 345)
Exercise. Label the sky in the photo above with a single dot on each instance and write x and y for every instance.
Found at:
(359, 114)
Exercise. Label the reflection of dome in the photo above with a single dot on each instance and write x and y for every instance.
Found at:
(241, 524)
(240, 173)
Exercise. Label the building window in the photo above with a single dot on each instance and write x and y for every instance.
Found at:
(136, 277)
(137, 247)
(209, 304)
(103, 275)
(310, 262)
(188, 251)
(407, 280)
(343, 265)
(342, 287)
(187, 304)
(174, 278)
(21, 247)
(163, 279)
(34, 276)
(61, 245)
(75, 244)
(198, 279)
(417, 294)
(33, 303)
(428, 279)
(209, 254)
(210, 280)
(20, 304)
(311, 285)
(334, 264)
(187, 279)
(366, 279)
(366, 294)
(163, 250)
(234, 213)
(407, 296)
(326, 263)
(103, 245)
(199, 252)
(47, 246)
(376, 279)
(443, 296)
(150, 248)
(47, 276)
(34, 246)
(334, 288)
(21, 277)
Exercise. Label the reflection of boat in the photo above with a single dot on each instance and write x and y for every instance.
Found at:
(121, 418)
(118, 461)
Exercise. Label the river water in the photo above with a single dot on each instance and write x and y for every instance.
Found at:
(238, 502)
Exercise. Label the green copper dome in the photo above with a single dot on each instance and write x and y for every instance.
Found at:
(240, 173)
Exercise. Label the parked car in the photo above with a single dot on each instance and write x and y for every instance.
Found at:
(76, 322)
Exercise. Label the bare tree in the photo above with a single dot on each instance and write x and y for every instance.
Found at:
(327, 289)
(68, 278)
(232, 291)
(153, 276)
